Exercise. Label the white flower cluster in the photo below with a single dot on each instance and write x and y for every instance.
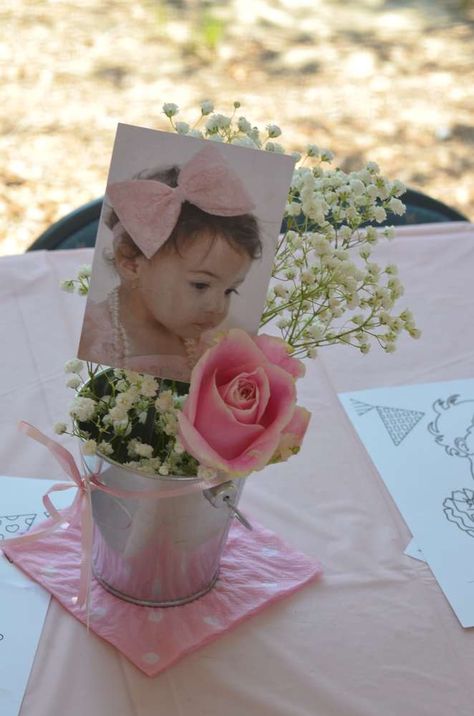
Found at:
(326, 288)
(80, 284)
(130, 418)
(232, 129)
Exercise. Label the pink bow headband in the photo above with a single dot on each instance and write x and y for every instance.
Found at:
(148, 209)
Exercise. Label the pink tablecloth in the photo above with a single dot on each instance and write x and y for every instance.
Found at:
(374, 637)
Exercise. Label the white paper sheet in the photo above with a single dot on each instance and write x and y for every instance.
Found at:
(412, 550)
(421, 439)
(23, 603)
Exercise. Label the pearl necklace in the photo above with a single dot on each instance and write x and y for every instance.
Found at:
(120, 338)
(121, 341)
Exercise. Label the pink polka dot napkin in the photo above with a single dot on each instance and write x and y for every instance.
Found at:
(257, 569)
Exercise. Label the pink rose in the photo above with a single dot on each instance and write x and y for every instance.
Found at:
(241, 411)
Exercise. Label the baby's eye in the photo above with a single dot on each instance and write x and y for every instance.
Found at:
(200, 286)
(231, 290)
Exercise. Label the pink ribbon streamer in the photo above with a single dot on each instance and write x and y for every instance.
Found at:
(81, 507)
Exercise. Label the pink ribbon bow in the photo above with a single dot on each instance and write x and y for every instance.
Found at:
(81, 508)
(148, 209)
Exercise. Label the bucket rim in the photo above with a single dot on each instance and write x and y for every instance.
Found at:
(142, 473)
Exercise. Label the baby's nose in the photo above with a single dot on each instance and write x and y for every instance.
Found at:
(216, 306)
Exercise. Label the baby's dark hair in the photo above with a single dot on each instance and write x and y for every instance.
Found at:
(242, 232)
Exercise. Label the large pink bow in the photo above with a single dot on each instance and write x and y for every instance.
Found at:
(148, 209)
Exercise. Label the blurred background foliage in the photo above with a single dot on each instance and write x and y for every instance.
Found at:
(386, 80)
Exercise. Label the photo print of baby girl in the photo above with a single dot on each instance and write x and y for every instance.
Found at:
(184, 250)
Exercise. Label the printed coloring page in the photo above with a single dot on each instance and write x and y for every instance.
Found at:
(421, 439)
(23, 603)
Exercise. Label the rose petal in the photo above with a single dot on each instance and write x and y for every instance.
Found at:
(250, 410)
(293, 434)
(253, 459)
(276, 350)
(237, 351)
(215, 421)
(282, 401)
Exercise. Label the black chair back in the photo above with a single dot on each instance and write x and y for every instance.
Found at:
(79, 228)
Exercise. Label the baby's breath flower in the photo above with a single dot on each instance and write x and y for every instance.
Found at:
(396, 206)
(83, 409)
(142, 449)
(170, 109)
(67, 285)
(149, 386)
(195, 133)
(273, 131)
(164, 402)
(312, 150)
(274, 147)
(327, 155)
(280, 290)
(118, 413)
(244, 142)
(73, 366)
(372, 167)
(178, 448)
(244, 125)
(307, 277)
(207, 107)
(379, 214)
(216, 122)
(74, 382)
(182, 127)
(89, 447)
(84, 271)
(105, 448)
(60, 428)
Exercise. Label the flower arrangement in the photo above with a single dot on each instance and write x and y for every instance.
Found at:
(239, 412)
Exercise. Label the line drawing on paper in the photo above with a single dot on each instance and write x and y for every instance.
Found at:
(453, 429)
(15, 524)
(459, 509)
(398, 422)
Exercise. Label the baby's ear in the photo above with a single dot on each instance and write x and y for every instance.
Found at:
(127, 267)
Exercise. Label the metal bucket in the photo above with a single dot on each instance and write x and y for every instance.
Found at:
(158, 551)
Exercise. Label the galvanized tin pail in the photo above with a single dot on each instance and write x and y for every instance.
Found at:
(158, 551)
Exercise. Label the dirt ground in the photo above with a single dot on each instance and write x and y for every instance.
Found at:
(385, 80)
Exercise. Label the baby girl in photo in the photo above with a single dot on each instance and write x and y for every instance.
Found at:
(183, 242)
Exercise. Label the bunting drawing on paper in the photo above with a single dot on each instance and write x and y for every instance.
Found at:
(398, 422)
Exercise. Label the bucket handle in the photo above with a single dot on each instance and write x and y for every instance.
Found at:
(223, 495)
